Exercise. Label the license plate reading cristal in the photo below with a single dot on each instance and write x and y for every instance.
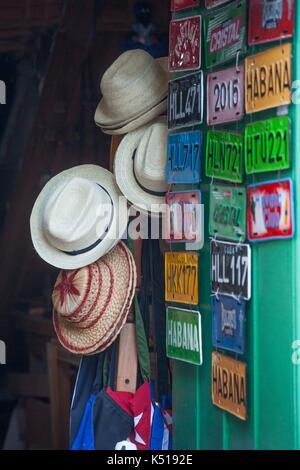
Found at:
(184, 336)
(268, 79)
(225, 92)
(228, 324)
(231, 269)
(177, 5)
(183, 216)
(181, 278)
(270, 213)
(270, 20)
(227, 212)
(225, 33)
(224, 156)
(185, 101)
(183, 157)
(267, 145)
(229, 391)
(185, 44)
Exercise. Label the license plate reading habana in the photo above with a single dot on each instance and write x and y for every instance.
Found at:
(225, 92)
(268, 79)
(185, 102)
(267, 145)
(231, 269)
(229, 390)
(181, 278)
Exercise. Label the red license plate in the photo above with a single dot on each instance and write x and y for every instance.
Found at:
(214, 3)
(177, 5)
(270, 210)
(183, 216)
(225, 92)
(270, 20)
(185, 44)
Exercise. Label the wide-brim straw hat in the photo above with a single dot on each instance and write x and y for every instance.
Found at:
(68, 229)
(134, 90)
(140, 167)
(109, 298)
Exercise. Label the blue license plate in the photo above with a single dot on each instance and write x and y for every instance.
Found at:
(228, 324)
(183, 157)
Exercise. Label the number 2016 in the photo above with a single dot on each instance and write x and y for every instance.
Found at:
(227, 95)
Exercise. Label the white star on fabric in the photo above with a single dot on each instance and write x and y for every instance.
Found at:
(138, 438)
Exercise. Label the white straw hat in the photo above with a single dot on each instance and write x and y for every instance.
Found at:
(76, 218)
(134, 90)
(140, 166)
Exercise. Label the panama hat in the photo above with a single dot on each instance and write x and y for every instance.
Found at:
(134, 90)
(140, 166)
(106, 301)
(77, 217)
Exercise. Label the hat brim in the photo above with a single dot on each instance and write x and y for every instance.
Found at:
(142, 120)
(63, 260)
(125, 178)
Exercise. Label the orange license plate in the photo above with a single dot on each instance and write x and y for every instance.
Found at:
(229, 385)
(181, 278)
(268, 79)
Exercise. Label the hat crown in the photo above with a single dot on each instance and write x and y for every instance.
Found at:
(150, 159)
(77, 214)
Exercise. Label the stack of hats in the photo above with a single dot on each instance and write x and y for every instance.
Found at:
(91, 304)
(134, 92)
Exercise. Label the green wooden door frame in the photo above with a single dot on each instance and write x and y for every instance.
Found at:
(273, 324)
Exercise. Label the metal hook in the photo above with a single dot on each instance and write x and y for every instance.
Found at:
(237, 68)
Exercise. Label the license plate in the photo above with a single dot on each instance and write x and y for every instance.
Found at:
(229, 391)
(185, 102)
(183, 216)
(267, 145)
(177, 5)
(184, 335)
(185, 44)
(183, 158)
(197, 246)
(214, 3)
(181, 278)
(268, 79)
(227, 212)
(270, 20)
(225, 92)
(224, 156)
(270, 210)
(228, 324)
(231, 269)
(225, 33)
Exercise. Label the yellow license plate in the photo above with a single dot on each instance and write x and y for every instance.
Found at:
(229, 385)
(181, 278)
(268, 79)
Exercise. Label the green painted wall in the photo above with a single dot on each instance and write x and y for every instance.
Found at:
(273, 323)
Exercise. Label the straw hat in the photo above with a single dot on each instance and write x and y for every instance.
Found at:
(99, 305)
(134, 90)
(140, 166)
(77, 218)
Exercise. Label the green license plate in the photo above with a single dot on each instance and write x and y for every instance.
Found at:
(184, 337)
(267, 145)
(227, 212)
(224, 156)
(225, 33)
